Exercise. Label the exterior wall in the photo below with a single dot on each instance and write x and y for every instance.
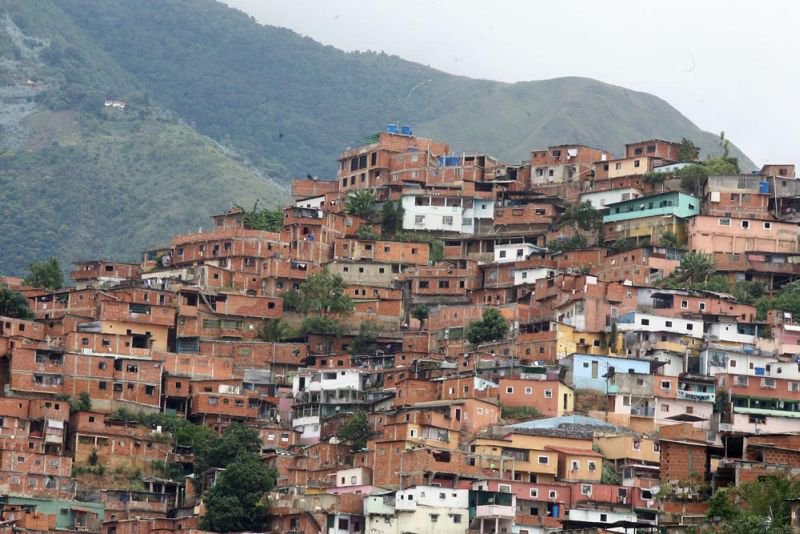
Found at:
(738, 236)
(601, 199)
(548, 397)
(677, 204)
(381, 251)
(587, 371)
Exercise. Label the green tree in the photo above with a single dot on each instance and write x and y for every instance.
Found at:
(14, 304)
(355, 431)
(609, 475)
(238, 502)
(613, 337)
(360, 203)
(688, 151)
(366, 232)
(420, 312)
(366, 342)
(269, 220)
(581, 216)
(492, 327)
(275, 330)
(322, 296)
(571, 243)
(82, 404)
(238, 439)
(391, 218)
(694, 267)
(45, 275)
(694, 176)
(669, 239)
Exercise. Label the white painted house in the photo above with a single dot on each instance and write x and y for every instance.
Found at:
(600, 199)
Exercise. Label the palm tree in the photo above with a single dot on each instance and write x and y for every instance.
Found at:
(695, 267)
(360, 203)
(275, 331)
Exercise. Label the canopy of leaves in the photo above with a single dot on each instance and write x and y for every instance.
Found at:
(420, 312)
(14, 304)
(238, 439)
(757, 506)
(571, 243)
(788, 299)
(582, 216)
(275, 330)
(323, 294)
(669, 239)
(694, 267)
(270, 220)
(355, 431)
(366, 232)
(688, 151)
(46, 275)
(237, 502)
(361, 203)
(492, 327)
(694, 176)
(391, 218)
(366, 341)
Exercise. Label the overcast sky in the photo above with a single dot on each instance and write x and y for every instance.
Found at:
(727, 65)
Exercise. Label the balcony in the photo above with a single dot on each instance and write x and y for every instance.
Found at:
(699, 396)
(495, 511)
(643, 411)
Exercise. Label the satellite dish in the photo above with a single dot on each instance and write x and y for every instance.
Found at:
(655, 490)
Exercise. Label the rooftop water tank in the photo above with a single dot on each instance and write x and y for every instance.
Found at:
(763, 187)
(405, 130)
(391, 128)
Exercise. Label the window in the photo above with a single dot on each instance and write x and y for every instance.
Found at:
(586, 489)
(745, 224)
(689, 410)
(504, 488)
(534, 493)
(767, 225)
(456, 518)
(637, 444)
(636, 163)
(645, 322)
(592, 465)
(618, 166)
(510, 390)
(684, 304)
(434, 518)
(543, 460)
(548, 394)
(725, 221)
(552, 494)
(103, 385)
(575, 465)
(666, 384)
(419, 219)
(447, 220)
(668, 324)
(528, 391)
(502, 254)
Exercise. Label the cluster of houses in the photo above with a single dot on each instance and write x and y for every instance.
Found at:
(613, 402)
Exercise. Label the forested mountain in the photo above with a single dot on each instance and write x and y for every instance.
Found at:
(79, 179)
(218, 106)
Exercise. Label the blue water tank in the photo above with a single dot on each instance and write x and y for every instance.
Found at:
(763, 187)
(391, 128)
(453, 161)
(405, 130)
(442, 160)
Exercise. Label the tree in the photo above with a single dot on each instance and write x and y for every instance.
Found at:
(420, 312)
(366, 342)
(694, 176)
(669, 240)
(269, 220)
(238, 439)
(360, 203)
(237, 502)
(46, 275)
(763, 506)
(14, 304)
(323, 296)
(355, 431)
(492, 327)
(82, 404)
(688, 151)
(367, 233)
(275, 330)
(694, 267)
(391, 218)
(582, 216)
(613, 337)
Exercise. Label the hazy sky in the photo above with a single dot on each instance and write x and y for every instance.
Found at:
(727, 65)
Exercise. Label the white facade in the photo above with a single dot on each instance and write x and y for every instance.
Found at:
(601, 516)
(729, 331)
(600, 199)
(512, 252)
(315, 203)
(422, 510)
(716, 360)
(309, 428)
(448, 214)
(327, 380)
(644, 322)
(358, 476)
(530, 276)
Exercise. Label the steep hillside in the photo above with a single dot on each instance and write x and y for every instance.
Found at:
(272, 93)
(78, 179)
